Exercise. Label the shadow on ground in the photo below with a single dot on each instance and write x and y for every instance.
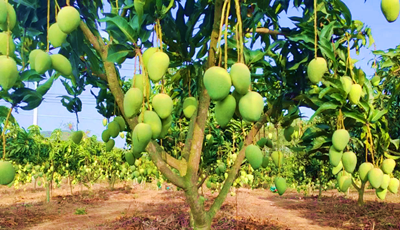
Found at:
(335, 210)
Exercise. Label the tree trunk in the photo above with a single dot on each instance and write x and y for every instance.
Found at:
(199, 218)
(47, 192)
(320, 190)
(361, 191)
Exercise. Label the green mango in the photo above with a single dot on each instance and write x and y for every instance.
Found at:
(217, 82)
(335, 156)
(280, 184)
(340, 139)
(68, 19)
(390, 9)
(254, 156)
(349, 161)
(363, 171)
(224, 110)
(7, 172)
(241, 77)
(375, 177)
(316, 69)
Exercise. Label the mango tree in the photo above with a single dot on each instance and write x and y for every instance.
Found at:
(184, 68)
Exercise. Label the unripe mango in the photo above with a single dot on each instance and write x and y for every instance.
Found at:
(157, 66)
(129, 158)
(8, 72)
(316, 69)
(32, 57)
(189, 106)
(224, 110)
(269, 143)
(385, 181)
(254, 156)
(388, 166)
(363, 171)
(113, 129)
(280, 184)
(349, 161)
(335, 156)
(337, 169)
(355, 94)
(347, 82)
(265, 161)
(3, 12)
(56, 36)
(7, 172)
(42, 62)
(146, 56)
(110, 145)
(241, 77)
(3, 43)
(251, 106)
(394, 185)
(12, 18)
(375, 177)
(262, 142)
(141, 82)
(217, 82)
(237, 97)
(381, 193)
(342, 173)
(68, 19)
(77, 137)
(121, 122)
(166, 125)
(375, 80)
(162, 104)
(105, 136)
(61, 64)
(288, 133)
(133, 100)
(141, 136)
(151, 118)
(344, 183)
(390, 9)
(340, 139)
(277, 158)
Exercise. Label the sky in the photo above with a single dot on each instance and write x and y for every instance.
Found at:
(52, 115)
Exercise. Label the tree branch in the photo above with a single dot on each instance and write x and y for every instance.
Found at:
(235, 168)
(180, 165)
(262, 30)
(92, 39)
(204, 103)
(355, 184)
(156, 153)
(202, 181)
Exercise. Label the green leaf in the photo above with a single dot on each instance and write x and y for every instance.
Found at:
(326, 91)
(318, 142)
(324, 107)
(123, 25)
(377, 114)
(31, 76)
(395, 142)
(391, 156)
(117, 53)
(139, 4)
(356, 116)
(3, 114)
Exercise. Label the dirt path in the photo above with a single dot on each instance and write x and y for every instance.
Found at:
(125, 208)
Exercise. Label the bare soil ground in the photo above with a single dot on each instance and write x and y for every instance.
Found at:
(145, 207)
